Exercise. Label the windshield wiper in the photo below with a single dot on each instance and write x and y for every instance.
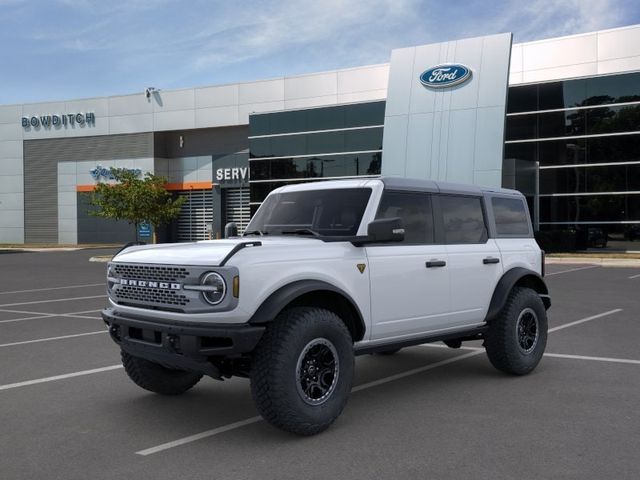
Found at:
(255, 232)
(301, 231)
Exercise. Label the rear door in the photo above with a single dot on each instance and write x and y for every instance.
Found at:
(409, 280)
(475, 264)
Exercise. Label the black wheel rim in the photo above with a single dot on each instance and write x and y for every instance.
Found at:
(317, 371)
(527, 330)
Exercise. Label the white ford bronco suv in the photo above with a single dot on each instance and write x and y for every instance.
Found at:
(326, 271)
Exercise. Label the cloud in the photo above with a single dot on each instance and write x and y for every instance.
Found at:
(539, 19)
(126, 44)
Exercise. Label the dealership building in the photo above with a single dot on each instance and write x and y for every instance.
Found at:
(558, 119)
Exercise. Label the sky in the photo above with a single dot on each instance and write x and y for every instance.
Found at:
(67, 49)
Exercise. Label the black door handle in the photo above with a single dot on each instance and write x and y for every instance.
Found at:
(490, 260)
(436, 263)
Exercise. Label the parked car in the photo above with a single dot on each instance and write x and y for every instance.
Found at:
(326, 271)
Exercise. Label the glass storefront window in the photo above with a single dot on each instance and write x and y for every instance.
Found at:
(350, 164)
(521, 127)
(326, 118)
(522, 99)
(590, 208)
(584, 92)
(613, 89)
(567, 94)
(612, 178)
(618, 148)
(315, 143)
(613, 119)
(562, 152)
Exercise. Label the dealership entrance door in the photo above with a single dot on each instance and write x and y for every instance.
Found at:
(196, 215)
(237, 207)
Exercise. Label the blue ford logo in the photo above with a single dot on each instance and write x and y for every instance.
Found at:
(443, 76)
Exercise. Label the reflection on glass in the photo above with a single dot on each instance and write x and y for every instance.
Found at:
(316, 143)
(613, 178)
(595, 208)
(350, 164)
(329, 212)
(414, 209)
(463, 220)
(575, 93)
(510, 216)
(325, 118)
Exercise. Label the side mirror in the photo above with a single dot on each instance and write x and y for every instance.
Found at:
(230, 230)
(385, 230)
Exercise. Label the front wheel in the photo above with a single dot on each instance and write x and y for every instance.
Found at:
(517, 338)
(156, 378)
(302, 370)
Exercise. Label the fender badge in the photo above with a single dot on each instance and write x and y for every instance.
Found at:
(361, 267)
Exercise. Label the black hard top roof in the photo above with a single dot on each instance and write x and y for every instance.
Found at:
(414, 184)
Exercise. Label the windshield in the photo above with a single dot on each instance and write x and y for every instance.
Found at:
(335, 212)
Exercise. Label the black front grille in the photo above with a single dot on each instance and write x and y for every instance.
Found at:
(153, 273)
(131, 294)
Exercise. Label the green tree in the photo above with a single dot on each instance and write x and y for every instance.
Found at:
(136, 200)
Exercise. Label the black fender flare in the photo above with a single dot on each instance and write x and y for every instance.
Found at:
(278, 300)
(510, 279)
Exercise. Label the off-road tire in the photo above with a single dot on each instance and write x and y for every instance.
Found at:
(156, 378)
(502, 342)
(275, 374)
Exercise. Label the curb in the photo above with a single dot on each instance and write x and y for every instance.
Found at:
(601, 261)
(101, 258)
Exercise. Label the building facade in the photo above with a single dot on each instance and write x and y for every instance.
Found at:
(571, 143)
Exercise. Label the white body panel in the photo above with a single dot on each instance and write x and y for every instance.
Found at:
(472, 281)
(520, 252)
(407, 297)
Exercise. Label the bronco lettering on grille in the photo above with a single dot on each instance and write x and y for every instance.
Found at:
(150, 284)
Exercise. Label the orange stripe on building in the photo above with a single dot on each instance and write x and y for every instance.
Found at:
(169, 186)
(189, 186)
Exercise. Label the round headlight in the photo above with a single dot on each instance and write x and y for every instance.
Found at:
(110, 275)
(216, 288)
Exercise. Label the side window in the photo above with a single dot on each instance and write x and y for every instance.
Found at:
(463, 219)
(415, 211)
(510, 215)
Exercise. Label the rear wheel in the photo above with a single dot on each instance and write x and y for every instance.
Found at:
(302, 370)
(516, 340)
(156, 378)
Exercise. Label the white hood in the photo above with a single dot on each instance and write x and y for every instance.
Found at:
(208, 253)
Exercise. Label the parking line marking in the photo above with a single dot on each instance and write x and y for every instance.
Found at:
(232, 426)
(199, 436)
(634, 276)
(55, 288)
(52, 301)
(572, 270)
(49, 339)
(249, 421)
(413, 371)
(577, 322)
(48, 315)
(58, 377)
(553, 355)
(595, 359)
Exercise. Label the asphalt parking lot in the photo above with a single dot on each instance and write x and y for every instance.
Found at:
(68, 411)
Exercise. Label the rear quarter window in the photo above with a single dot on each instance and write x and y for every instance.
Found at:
(511, 216)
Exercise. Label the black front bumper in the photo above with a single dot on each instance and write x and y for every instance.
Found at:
(176, 345)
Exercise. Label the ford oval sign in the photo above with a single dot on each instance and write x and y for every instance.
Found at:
(443, 76)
